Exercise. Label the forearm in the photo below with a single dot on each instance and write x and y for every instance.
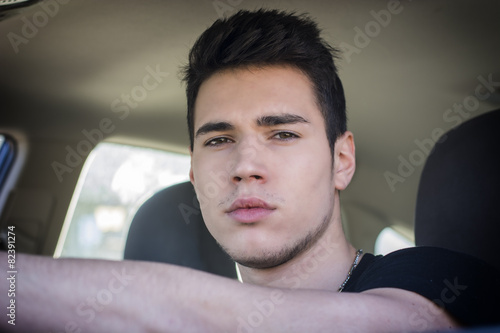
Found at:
(73, 295)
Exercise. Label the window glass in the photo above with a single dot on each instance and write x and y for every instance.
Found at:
(116, 180)
(7, 153)
(390, 240)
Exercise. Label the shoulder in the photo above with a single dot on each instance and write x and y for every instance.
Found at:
(461, 284)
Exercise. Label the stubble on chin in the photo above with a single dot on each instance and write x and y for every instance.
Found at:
(270, 259)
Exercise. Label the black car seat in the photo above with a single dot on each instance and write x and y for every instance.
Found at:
(458, 201)
(169, 228)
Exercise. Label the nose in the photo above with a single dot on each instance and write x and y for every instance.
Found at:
(249, 163)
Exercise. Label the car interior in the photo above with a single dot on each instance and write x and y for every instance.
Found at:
(94, 148)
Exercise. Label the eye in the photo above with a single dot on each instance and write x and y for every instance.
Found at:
(215, 142)
(284, 136)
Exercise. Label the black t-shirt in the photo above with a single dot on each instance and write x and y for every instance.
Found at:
(466, 287)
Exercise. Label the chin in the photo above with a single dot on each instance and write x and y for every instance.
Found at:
(263, 257)
(268, 251)
(262, 262)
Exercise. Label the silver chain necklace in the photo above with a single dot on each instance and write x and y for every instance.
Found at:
(354, 265)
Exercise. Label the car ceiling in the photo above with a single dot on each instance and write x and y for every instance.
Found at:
(64, 78)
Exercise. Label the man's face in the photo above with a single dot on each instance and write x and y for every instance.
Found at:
(261, 164)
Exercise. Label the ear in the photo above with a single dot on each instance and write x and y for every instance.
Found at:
(191, 174)
(344, 160)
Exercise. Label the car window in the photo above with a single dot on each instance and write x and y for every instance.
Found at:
(7, 154)
(393, 238)
(114, 182)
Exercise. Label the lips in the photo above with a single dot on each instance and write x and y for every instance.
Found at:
(249, 210)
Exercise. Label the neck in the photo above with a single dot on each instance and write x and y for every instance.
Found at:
(323, 266)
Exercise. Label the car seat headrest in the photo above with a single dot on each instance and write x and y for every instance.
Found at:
(458, 201)
(169, 228)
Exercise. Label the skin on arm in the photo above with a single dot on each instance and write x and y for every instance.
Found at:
(74, 295)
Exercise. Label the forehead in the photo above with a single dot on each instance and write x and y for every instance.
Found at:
(249, 93)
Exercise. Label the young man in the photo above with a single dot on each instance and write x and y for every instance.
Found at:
(266, 115)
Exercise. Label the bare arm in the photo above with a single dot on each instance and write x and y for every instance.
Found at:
(74, 295)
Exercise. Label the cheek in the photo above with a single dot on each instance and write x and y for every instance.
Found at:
(202, 188)
(212, 179)
(309, 182)
(210, 182)
(308, 167)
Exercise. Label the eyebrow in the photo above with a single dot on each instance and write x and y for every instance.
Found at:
(264, 121)
(286, 118)
(214, 127)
